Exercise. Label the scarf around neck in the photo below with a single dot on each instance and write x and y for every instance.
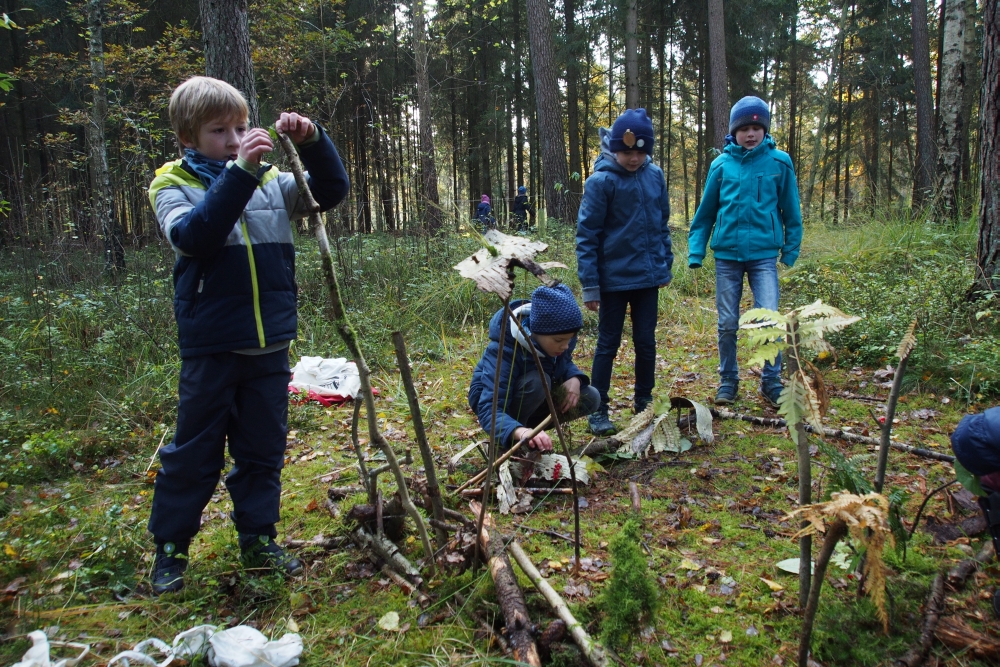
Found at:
(205, 168)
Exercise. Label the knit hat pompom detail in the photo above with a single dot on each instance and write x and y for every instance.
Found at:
(554, 311)
(749, 111)
(633, 131)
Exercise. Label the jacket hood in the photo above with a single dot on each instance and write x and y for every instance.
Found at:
(736, 150)
(606, 160)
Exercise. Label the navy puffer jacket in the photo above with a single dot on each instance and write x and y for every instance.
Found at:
(976, 442)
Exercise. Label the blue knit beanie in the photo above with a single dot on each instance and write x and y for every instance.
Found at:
(522, 190)
(749, 111)
(554, 311)
(633, 131)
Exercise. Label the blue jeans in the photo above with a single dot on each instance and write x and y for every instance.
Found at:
(762, 274)
(532, 407)
(645, 310)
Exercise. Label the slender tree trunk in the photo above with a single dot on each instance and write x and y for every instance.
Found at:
(225, 31)
(518, 85)
(700, 150)
(573, 95)
(102, 202)
(950, 127)
(720, 81)
(988, 246)
(431, 203)
(793, 84)
(559, 202)
(926, 148)
(632, 54)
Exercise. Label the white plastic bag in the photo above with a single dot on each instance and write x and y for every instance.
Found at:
(326, 377)
(241, 646)
(38, 654)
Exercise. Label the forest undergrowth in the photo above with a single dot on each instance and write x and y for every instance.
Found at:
(88, 393)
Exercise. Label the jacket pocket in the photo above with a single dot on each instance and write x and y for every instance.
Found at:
(776, 231)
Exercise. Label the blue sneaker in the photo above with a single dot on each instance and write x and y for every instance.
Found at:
(261, 551)
(168, 568)
(771, 391)
(641, 403)
(726, 394)
(600, 424)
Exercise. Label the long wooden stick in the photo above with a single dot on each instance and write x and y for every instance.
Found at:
(834, 533)
(593, 651)
(478, 477)
(350, 337)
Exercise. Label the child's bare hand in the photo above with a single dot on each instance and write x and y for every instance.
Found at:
(255, 143)
(298, 128)
(542, 442)
(572, 387)
(593, 305)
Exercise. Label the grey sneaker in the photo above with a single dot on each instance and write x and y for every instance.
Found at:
(726, 394)
(600, 424)
(771, 392)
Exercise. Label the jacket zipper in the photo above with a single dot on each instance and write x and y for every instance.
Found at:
(253, 282)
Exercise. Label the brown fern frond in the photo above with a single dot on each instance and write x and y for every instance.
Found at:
(909, 341)
(819, 387)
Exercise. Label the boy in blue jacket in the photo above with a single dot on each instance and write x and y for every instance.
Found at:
(551, 319)
(750, 210)
(624, 255)
(227, 217)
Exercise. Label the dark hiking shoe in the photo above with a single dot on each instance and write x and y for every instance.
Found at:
(261, 551)
(168, 568)
(726, 394)
(771, 392)
(600, 424)
(642, 403)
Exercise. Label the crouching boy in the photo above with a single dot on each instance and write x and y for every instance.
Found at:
(551, 319)
(227, 216)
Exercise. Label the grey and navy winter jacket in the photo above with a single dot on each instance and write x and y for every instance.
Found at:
(515, 362)
(234, 278)
(976, 442)
(750, 208)
(622, 235)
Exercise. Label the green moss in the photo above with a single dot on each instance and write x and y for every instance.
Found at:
(630, 598)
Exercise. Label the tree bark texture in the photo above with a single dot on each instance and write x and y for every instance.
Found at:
(632, 54)
(573, 95)
(559, 202)
(951, 125)
(102, 199)
(225, 29)
(428, 169)
(988, 246)
(720, 81)
(509, 596)
(923, 182)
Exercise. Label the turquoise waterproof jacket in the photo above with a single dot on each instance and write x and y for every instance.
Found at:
(750, 208)
(622, 236)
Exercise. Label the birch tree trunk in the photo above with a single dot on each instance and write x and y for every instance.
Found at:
(559, 201)
(988, 246)
(631, 54)
(102, 200)
(428, 169)
(951, 120)
(720, 82)
(226, 35)
(923, 181)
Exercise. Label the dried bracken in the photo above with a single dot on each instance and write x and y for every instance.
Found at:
(867, 519)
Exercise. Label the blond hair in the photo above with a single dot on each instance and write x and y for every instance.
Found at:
(201, 99)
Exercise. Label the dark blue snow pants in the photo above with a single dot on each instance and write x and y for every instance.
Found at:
(244, 399)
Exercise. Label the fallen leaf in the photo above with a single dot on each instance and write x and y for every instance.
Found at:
(389, 622)
(773, 585)
(688, 564)
(725, 636)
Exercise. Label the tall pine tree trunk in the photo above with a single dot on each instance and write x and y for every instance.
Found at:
(793, 84)
(632, 54)
(559, 201)
(225, 32)
(431, 204)
(572, 95)
(951, 120)
(720, 81)
(923, 182)
(988, 246)
(102, 198)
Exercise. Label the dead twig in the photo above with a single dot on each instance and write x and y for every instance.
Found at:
(479, 476)
(633, 493)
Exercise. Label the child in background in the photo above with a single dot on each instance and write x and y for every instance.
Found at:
(751, 201)
(551, 319)
(522, 209)
(227, 217)
(484, 213)
(624, 254)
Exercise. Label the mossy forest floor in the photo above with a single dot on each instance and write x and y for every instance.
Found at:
(75, 552)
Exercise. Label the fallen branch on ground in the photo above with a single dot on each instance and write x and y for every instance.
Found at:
(385, 549)
(481, 475)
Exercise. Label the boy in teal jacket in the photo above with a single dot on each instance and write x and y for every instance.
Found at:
(750, 211)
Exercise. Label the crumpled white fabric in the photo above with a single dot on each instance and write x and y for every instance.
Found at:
(241, 646)
(326, 377)
(38, 654)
